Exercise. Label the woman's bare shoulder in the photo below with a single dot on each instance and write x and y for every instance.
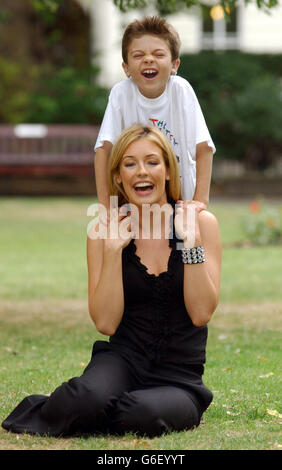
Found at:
(207, 217)
(209, 226)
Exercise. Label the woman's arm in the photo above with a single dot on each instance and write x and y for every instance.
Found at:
(105, 286)
(202, 280)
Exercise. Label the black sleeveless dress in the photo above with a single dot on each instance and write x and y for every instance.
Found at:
(156, 342)
(156, 332)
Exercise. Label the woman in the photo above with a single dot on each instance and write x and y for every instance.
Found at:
(153, 300)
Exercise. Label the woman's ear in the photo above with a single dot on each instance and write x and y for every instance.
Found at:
(117, 178)
(167, 176)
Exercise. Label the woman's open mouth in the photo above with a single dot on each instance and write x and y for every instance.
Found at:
(144, 188)
(149, 74)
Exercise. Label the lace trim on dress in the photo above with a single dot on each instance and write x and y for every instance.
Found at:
(162, 300)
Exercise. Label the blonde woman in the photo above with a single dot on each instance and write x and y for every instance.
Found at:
(152, 295)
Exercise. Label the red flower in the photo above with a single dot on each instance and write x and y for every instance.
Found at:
(254, 206)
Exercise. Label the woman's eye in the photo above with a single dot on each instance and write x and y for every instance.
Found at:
(129, 164)
(153, 162)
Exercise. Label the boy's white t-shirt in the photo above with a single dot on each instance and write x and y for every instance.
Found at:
(176, 113)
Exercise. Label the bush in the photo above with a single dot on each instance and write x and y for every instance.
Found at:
(67, 96)
(241, 96)
(262, 226)
(47, 95)
(13, 97)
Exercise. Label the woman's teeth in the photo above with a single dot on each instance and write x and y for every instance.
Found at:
(143, 186)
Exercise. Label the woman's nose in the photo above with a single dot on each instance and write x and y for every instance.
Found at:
(142, 169)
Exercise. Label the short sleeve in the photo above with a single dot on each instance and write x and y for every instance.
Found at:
(111, 126)
(201, 130)
(196, 128)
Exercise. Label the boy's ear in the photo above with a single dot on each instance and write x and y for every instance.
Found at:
(175, 65)
(126, 69)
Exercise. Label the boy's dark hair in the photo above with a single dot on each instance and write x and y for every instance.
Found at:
(154, 25)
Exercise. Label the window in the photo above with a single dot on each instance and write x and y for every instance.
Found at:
(218, 32)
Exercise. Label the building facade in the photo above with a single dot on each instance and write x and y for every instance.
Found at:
(249, 30)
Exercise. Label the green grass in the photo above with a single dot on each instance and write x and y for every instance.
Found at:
(47, 335)
(42, 248)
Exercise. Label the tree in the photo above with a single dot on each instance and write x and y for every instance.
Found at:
(164, 7)
(171, 6)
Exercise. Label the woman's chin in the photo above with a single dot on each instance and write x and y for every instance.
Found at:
(147, 199)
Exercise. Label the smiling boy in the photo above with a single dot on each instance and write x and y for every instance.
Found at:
(152, 94)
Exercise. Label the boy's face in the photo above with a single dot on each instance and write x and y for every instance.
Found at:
(150, 65)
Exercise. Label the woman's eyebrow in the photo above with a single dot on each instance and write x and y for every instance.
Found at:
(152, 155)
(146, 156)
(127, 156)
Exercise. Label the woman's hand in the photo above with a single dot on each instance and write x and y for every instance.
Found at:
(118, 230)
(104, 255)
(186, 223)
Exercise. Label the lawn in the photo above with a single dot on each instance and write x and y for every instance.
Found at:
(46, 332)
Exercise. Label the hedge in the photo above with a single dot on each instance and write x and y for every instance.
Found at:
(240, 94)
(241, 97)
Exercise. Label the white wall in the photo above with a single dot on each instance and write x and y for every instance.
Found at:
(105, 33)
(107, 26)
(188, 26)
(259, 31)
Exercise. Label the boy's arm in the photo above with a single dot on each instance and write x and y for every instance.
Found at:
(204, 158)
(101, 173)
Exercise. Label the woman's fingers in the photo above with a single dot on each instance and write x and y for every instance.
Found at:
(185, 222)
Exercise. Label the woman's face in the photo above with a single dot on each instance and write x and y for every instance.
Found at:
(143, 173)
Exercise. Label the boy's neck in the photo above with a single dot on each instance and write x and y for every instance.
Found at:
(153, 96)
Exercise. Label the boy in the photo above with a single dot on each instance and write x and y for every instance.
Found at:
(153, 95)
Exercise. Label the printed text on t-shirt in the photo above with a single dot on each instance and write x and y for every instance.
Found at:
(162, 125)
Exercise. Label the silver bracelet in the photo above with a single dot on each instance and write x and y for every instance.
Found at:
(193, 255)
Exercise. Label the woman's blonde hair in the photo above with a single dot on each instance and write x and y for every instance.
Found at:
(127, 137)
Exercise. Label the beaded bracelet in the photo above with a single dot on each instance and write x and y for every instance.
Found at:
(193, 255)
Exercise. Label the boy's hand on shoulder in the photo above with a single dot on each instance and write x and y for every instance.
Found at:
(199, 205)
(187, 221)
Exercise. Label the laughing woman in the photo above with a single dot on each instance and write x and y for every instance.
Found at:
(153, 296)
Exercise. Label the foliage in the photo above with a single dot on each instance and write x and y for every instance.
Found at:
(49, 78)
(48, 7)
(240, 95)
(67, 96)
(13, 96)
(172, 6)
(262, 226)
(258, 120)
